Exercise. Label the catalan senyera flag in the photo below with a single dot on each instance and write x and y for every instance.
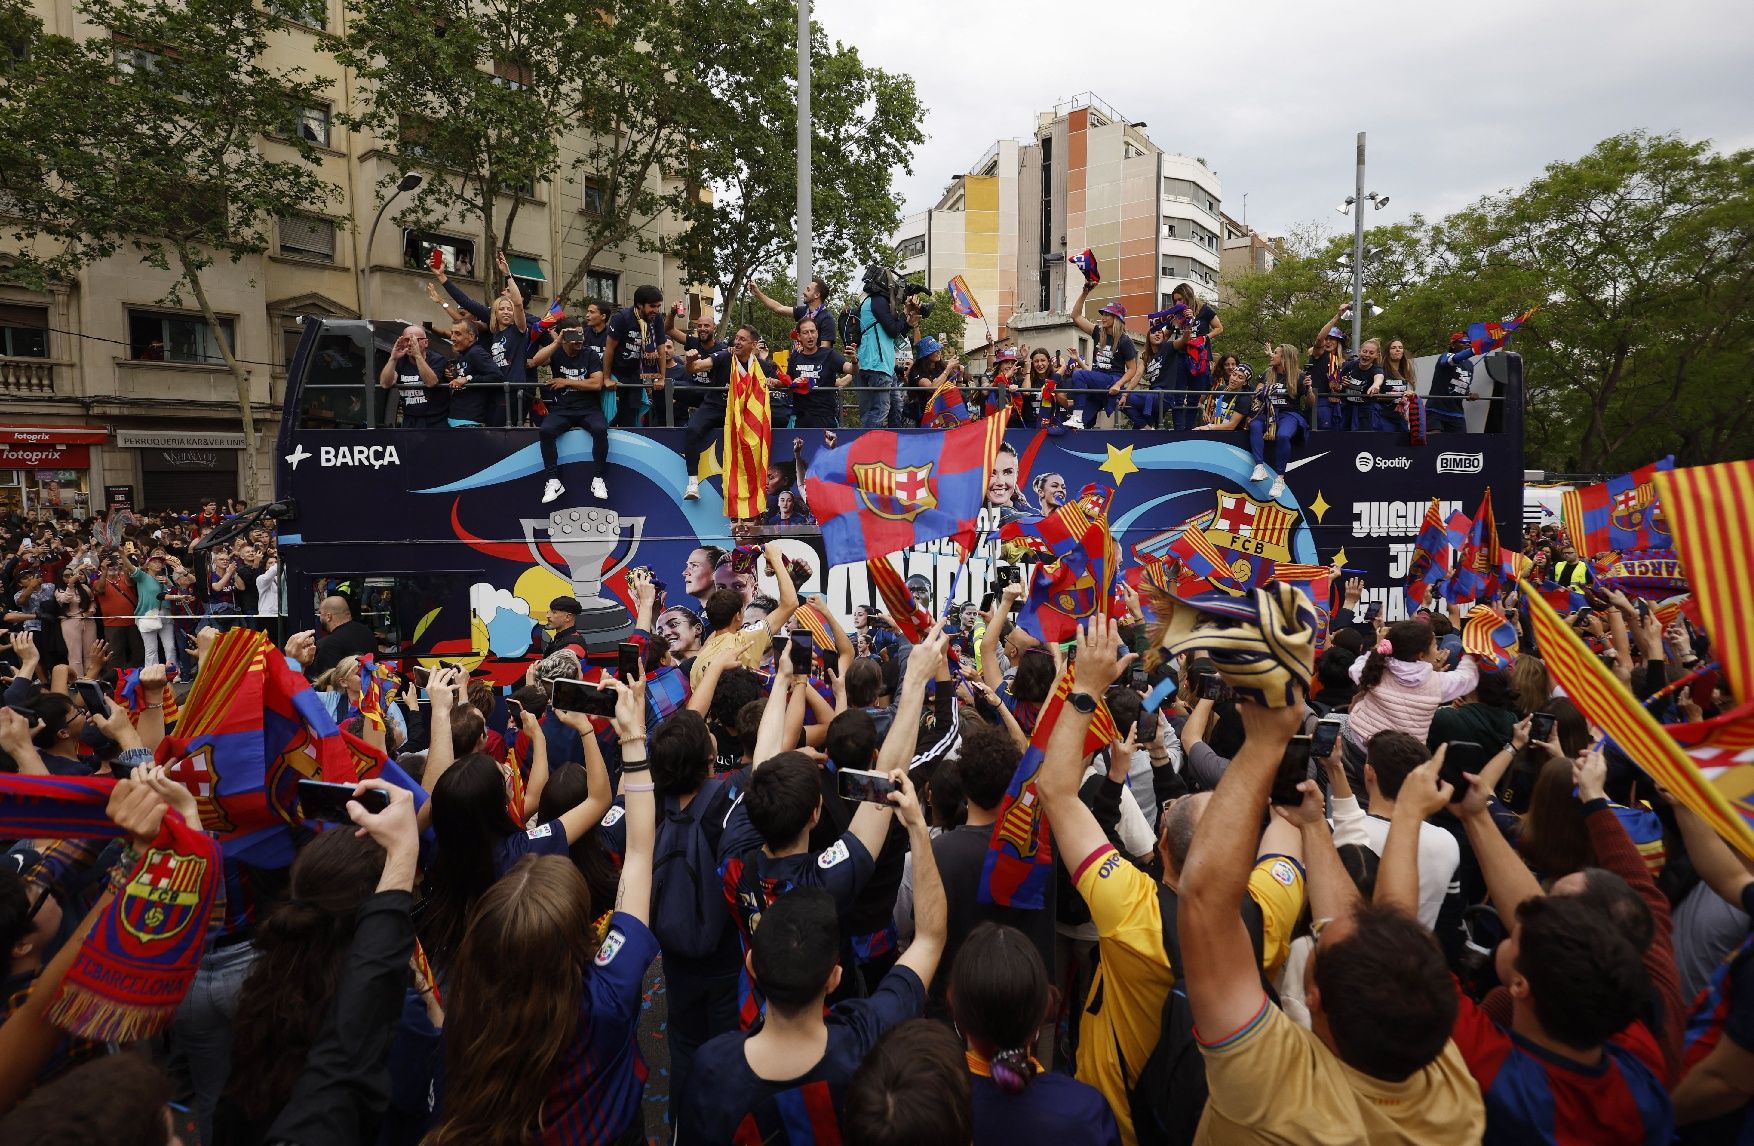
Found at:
(962, 299)
(748, 431)
(1020, 855)
(1707, 508)
(812, 621)
(910, 620)
(1621, 513)
(1489, 635)
(1607, 703)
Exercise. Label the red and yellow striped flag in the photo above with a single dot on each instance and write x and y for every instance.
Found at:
(1707, 512)
(911, 621)
(1605, 702)
(748, 430)
(812, 621)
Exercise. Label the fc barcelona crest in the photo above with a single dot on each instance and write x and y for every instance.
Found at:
(163, 897)
(895, 493)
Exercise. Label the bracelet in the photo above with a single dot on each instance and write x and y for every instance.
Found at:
(639, 787)
(636, 766)
(631, 740)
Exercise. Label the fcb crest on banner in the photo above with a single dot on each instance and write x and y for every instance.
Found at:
(1249, 527)
(895, 493)
(164, 896)
(1638, 507)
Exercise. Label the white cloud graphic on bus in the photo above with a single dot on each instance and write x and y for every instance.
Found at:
(506, 616)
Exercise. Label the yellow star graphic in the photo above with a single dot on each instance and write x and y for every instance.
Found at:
(1319, 506)
(1119, 463)
(709, 465)
(1339, 558)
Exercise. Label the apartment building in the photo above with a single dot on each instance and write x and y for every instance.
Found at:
(971, 231)
(110, 394)
(1246, 252)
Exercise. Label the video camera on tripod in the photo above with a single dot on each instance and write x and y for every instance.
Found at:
(888, 283)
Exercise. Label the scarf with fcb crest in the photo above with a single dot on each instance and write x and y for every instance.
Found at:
(135, 966)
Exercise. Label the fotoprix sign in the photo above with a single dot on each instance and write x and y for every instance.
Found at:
(51, 455)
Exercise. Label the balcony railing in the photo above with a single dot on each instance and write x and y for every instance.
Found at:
(28, 375)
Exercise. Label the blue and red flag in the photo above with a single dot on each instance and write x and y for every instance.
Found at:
(962, 299)
(947, 408)
(1080, 582)
(1020, 855)
(1485, 337)
(1430, 556)
(1621, 513)
(884, 492)
(1653, 574)
(1490, 636)
(1086, 264)
(552, 319)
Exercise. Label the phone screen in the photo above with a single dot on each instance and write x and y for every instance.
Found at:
(328, 802)
(514, 712)
(869, 787)
(91, 697)
(419, 674)
(1327, 734)
(1293, 770)
(1541, 725)
(803, 650)
(627, 661)
(577, 696)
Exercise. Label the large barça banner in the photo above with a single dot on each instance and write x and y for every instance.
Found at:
(457, 514)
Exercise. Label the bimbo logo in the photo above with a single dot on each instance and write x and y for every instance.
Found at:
(1367, 461)
(1460, 463)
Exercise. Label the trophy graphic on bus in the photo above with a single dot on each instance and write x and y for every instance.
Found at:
(585, 538)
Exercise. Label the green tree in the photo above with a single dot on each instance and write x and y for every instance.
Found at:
(155, 139)
(1639, 255)
(865, 127)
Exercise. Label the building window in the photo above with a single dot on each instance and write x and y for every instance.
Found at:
(1178, 189)
(307, 237)
(911, 248)
(1168, 269)
(133, 57)
(24, 331)
(313, 125)
(418, 246)
(1169, 230)
(594, 199)
(414, 135)
(603, 286)
(155, 336)
(310, 13)
(289, 340)
(513, 74)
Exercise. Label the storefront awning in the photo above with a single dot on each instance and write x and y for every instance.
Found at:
(53, 435)
(525, 268)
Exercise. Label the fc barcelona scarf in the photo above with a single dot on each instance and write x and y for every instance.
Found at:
(135, 966)
(1020, 855)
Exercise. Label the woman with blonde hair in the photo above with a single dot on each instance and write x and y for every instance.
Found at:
(1361, 380)
(1275, 411)
(541, 1018)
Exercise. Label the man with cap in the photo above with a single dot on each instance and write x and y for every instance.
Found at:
(563, 619)
(1327, 357)
(1114, 363)
(1452, 383)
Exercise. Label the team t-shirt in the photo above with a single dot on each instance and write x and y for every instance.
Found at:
(740, 1108)
(1112, 358)
(482, 377)
(634, 338)
(1356, 379)
(1133, 977)
(1274, 1081)
(822, 369)
(542, 840)
(422, 405)
(588, 361)
(1451, 382)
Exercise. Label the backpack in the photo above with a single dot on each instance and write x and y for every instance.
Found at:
(688, 903)
(1169, 1096)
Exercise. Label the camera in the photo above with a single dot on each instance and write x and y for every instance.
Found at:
(892, 284)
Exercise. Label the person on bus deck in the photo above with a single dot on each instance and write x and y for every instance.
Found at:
(575, 401)
(708, 420)
(413, 371)
(1327, 358)
(472, 379)
(1276, 405)
(1452, 383)
(342, 637)
(511, 327)
(814, 307)
(685, 395)
(1391, 410)
(630, 352)
(1361, 380)
(1114, 363)
(818, 366)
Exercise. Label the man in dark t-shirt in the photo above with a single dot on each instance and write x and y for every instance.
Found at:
(630, 353)
(575, 399)
(1452, 383)
(473, 379)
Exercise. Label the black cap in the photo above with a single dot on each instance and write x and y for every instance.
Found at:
(566, 605)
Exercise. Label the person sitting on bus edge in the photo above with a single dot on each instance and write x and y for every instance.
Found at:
(1327, 358)
(412, 371)
(932, 368)
(1361, 380)
(708, 419)
(1452, 383)
(1227, 404)
(510, 327)
(819, 368)
(814, 307)
(474, 380)
(575, 363)
(1113, 364)
(630, 353)
(1277, 405)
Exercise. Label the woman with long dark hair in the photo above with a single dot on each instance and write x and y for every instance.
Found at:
(1224, 408)
(1394, 403)
(1191, 369)
(77, 606)
(550, 1050)
(1000, 997)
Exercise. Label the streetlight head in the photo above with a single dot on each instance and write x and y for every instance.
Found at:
(1347, 205)
(1382, 202)
(1374, 309)
(410, 181)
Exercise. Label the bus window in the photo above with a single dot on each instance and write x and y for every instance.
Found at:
(410, 614)
(337, 391)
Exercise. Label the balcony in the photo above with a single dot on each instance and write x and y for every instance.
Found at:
(24, 377)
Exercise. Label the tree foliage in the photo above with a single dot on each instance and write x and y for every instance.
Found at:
(1639, 255)
(153, 140)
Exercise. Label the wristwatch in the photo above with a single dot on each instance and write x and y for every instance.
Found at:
(1083, 702)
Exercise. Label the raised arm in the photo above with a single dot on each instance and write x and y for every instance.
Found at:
(441, 696)
(1718, 865)
(1096, 667)
(519, 318)
(1077, 310)
(1423, 794)
(770, 735)
(871, 822)
(770, 303)
(469, 306)
(531, 728)
(996, 618)
(645, 595)
(642, 803)
(1332, 894)
(1508, 879)
(788, 605)
(931, 909)
(1224, 986)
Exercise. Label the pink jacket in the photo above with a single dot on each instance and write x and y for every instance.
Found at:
(1406, 697)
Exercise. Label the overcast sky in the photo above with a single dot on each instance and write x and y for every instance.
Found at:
(1459, 100)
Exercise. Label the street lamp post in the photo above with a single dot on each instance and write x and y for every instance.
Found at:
(408, 183)
(1355, 204)
(805, 239)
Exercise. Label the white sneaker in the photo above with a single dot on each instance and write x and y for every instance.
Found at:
(552, 490)
(1076, 421)
(692, 493)
(599, 489)
(1278, 487)
(1260, 473)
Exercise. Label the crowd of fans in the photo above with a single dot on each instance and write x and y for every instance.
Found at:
(642, 366)
(1466, 921)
